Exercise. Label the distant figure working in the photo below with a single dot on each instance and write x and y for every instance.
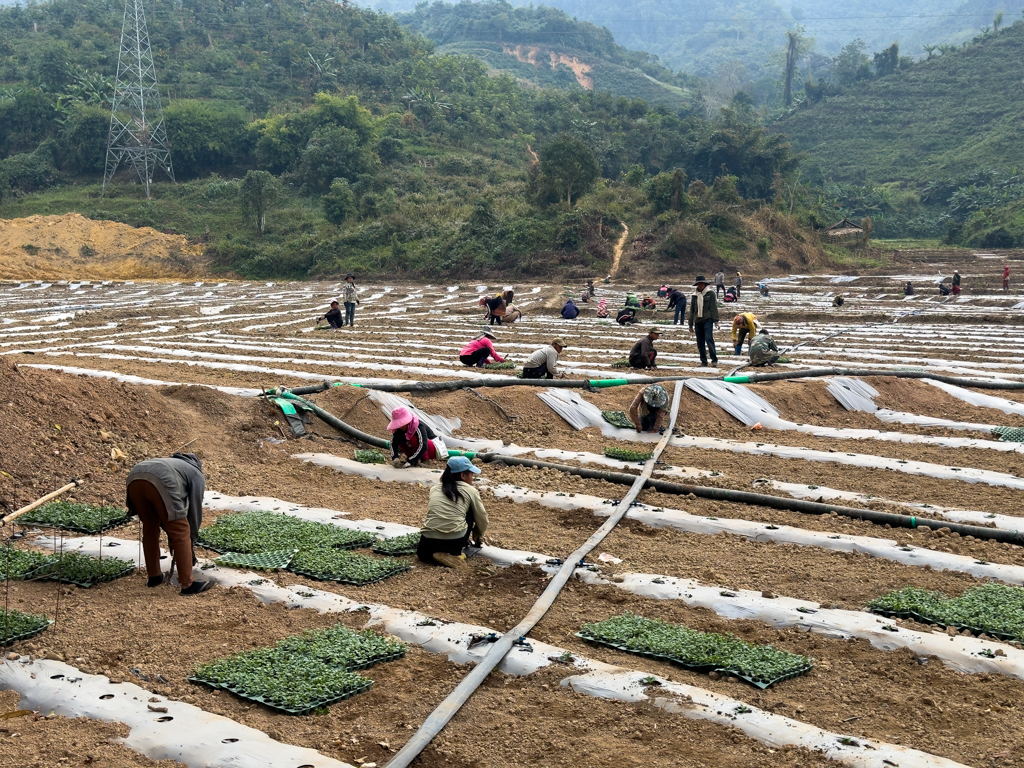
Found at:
(763, 350)
(742, 326)
(1006, 277)
(168, 494)
(643, 354)
(739, 284)
(720, 282)
(647, 411)
(570, 311)
(762, 288)
(908, 289)
(677, 302)
(956, 283)
(543, 363)
(350, 297)
(838, 301)
(480, 351)
(943, 290)
(333, 316)
(626, 316)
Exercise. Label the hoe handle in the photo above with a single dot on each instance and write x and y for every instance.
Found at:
(40, 502)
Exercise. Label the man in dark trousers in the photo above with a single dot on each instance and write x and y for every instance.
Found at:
(333, 316)
(643, 354)
(704, 319)
(677, 301)
(168, 494)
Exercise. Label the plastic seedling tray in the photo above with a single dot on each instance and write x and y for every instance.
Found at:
(625, 454)
(618, 419)
(992, 609)
(370, 456)
(72, 516)
(760, 665)
(399, 545)
(15, 626)
(82, 570)
(252, 532)
(16, 564)
(345, 567)
(261, 561)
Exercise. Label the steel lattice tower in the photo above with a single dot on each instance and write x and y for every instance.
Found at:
(137, 132)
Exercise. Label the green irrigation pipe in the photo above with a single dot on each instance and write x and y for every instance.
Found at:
(334, 421)
(766, 500)
(754, 378)
(447, 709)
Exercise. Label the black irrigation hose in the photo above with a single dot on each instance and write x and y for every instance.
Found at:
(334, 421)
(766, 500)
(755, 378)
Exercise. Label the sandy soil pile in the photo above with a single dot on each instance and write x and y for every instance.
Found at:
(74, 247)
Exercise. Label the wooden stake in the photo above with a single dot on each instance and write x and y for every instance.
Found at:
(40, 502)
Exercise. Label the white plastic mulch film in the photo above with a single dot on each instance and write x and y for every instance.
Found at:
(978, 399)
(854, 394)
(739, 402)
(440, 424)
(574, 409)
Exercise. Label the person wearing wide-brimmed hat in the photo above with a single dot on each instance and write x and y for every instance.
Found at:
(643, 354)
(480, 351)
(455, 514)
(704, 319)
(647, 411)
(410, 438)
(350, 296)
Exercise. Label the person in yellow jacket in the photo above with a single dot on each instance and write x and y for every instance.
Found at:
(743, 325)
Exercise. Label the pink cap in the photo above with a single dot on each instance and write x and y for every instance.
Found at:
(399, 418)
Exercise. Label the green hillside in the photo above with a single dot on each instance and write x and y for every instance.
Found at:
(946, 116)
(542, 46)
(311, 137)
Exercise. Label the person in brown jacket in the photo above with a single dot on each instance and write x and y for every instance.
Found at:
(647, 411)
(643, 354)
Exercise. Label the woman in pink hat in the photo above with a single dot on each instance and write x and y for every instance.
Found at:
(411, 438)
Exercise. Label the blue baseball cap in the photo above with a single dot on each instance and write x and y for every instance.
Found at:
(460, 464)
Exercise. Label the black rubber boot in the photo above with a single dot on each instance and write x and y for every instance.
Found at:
(196, 587)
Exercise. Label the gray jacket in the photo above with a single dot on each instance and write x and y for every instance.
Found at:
(181, 484)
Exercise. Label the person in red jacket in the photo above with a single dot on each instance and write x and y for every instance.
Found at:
(1006, 277)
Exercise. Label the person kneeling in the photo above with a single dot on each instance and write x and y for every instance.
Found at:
(647, 411)
(455, 516)
(763, 350)
(543, 363)
(411, 437)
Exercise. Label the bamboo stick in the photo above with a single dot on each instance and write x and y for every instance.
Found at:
(40, 502)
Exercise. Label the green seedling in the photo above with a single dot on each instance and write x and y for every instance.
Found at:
(761, 665)
(370, 456)
(625, 454)
(72, 516)
(346, 567)
(16, 564)
(994, 609)
(15, 625)
(83, 570)
(252, 532)
(504, 366)
(399, 545)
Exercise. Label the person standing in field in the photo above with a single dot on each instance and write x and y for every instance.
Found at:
(739, 284)
(720, 282)
(168, 494)
(350, 295)
(1006, 277)
(704, 319)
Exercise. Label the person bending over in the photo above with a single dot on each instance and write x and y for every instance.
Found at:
(168, 494)
(455, 516)
(480, 351)
(763, 350)
(647, 411)
(410, 438)
(543, 363)
(743, 325)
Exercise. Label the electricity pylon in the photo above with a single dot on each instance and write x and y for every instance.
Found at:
(137, 132)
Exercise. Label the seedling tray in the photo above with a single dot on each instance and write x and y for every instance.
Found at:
(261, 561)
(370, 456)
(82, 570)
(708, 651)
(399, 545)
(358, 685)
(346, 567)
(21, 626)
(81, 518)
(625, 454)
(16, 564)
(253, 532)
(992, 609)
(618, 419)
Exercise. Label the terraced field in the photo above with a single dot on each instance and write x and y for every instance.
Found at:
(97, 376)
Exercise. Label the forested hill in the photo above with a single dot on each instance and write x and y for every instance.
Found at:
(311, 137)
(543, 46)
(952, 114)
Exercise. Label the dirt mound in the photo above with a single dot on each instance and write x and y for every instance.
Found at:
(74, 247)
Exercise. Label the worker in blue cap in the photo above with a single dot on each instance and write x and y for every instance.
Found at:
(455, 515)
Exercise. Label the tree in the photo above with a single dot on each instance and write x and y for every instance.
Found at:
(205, 136)
(259, 188)
(569, 165)
(339, 203)
(887, 61)
(997, 22)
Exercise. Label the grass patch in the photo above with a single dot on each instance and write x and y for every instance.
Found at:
(993, 609)
(761, 665)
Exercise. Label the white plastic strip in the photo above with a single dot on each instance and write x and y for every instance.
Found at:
(128, 379)
(979, 399)
(183, 733)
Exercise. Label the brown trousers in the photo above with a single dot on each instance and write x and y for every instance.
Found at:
(146, 499)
